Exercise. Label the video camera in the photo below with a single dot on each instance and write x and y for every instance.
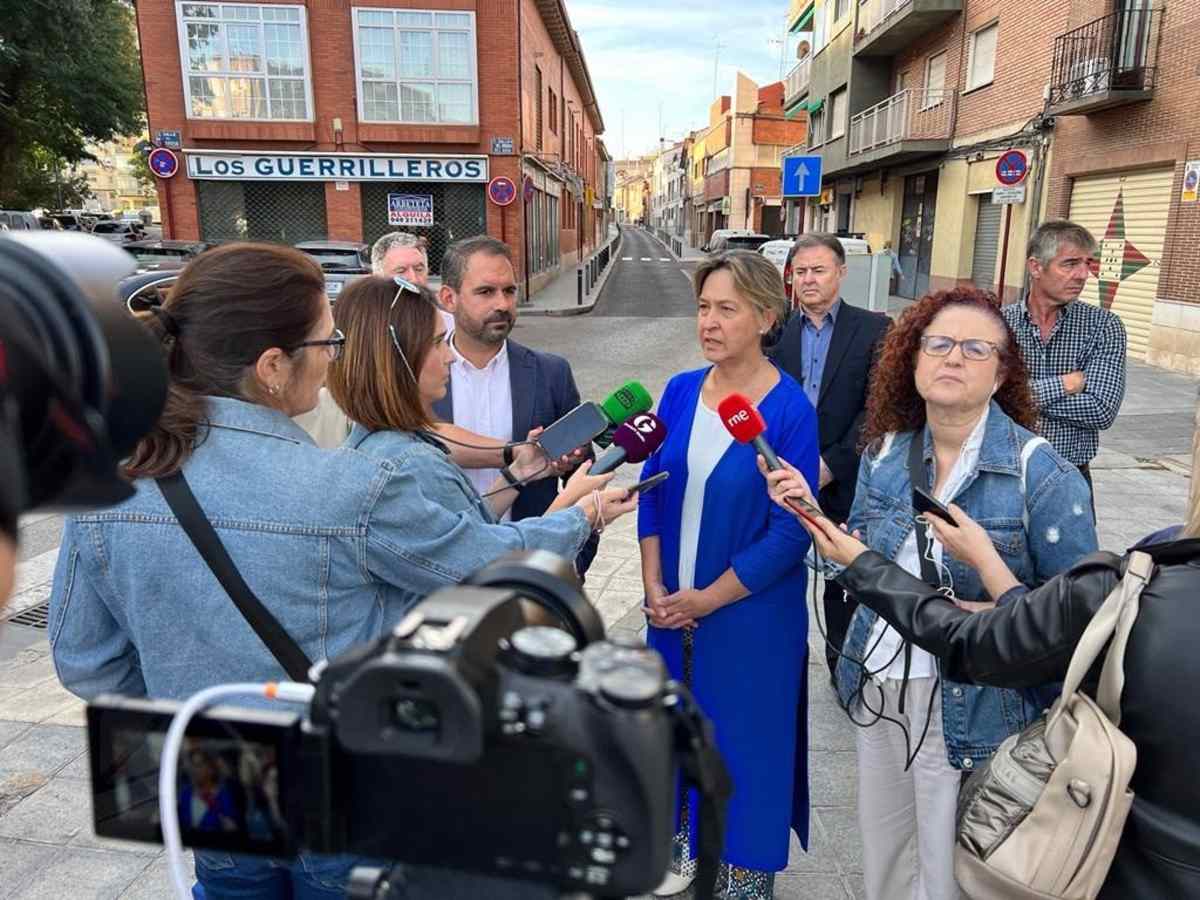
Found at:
(493, 731)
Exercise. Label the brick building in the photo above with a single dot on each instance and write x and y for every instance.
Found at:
(345, 119)
(912, 102)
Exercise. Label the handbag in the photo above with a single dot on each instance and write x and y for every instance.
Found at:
(199, 529)
(1043, 818)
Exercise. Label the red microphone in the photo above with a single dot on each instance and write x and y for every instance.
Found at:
(747, 425)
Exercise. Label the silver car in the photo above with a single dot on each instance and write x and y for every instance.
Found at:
(117, 232)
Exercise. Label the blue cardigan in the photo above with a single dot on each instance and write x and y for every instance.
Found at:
(748, 663)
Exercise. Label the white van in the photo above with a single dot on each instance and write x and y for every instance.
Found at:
(18, 220)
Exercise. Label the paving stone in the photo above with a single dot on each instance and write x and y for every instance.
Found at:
(10, 731)
(20, 862)
(43, 749)
(832, 777)
(28, 668)
(37, 703)
(820, 856)
(84, 875)
(841, 824)
(810, 886)
(828, 726)
(154, 883)
(54, 814)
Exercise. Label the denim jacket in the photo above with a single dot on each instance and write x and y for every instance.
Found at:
(338, 544)
(1060, 530)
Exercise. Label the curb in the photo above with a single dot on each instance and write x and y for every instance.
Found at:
(563, 311)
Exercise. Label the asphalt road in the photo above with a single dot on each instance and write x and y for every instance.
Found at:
(647, 281)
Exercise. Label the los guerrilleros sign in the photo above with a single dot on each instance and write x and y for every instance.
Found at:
(334, 167)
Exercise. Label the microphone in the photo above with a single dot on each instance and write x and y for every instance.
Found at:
(626, 401)
(633, 442)
(747, 425)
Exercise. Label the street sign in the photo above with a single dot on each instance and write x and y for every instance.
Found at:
(1012, 167)
(163, 162)
(1015, 194)
(501, 190)
(802, 176)
(172, 140)
(502, 146)
(529, 188)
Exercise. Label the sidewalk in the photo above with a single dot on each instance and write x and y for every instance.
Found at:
(561, 296)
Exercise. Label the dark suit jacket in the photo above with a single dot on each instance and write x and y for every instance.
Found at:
(842, 400)
(543, 390)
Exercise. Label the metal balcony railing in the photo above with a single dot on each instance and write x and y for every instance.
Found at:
(797, 80)
(874, 14)
(794, 150)
(1118, 52)
(910, 115)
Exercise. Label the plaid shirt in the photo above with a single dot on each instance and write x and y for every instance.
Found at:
(1085, 339)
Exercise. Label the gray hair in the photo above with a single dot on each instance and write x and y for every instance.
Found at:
(458, 255)
(813, 240)
(1049, 237)
(388, 242)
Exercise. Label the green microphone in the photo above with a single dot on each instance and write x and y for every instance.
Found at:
(626, 401)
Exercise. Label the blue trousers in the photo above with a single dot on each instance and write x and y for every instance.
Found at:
(226, 876)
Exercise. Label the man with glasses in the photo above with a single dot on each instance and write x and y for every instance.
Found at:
(1075, 352)
(829, 346)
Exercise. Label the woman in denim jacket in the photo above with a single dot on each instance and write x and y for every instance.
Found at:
(950, 377)
(336, 544)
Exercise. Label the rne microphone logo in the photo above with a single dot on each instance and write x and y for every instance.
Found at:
(738, 417)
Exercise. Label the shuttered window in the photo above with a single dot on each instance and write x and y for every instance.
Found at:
(987, 243)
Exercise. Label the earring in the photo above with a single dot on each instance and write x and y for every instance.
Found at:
(274, 389)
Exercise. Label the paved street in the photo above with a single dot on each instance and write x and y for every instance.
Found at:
(641, 329)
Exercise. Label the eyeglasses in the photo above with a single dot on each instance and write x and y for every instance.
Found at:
(335, 344)
(402, 285)
(975, 349)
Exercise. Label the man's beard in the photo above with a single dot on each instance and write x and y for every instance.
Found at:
(485, 334)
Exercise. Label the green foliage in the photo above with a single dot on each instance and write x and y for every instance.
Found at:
(70, 75)
(139, 168)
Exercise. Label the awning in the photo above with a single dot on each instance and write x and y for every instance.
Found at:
(815, 106)
(805, 20)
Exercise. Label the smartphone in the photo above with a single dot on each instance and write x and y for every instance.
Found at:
(652, 482)
(574, 430)
(924, 504)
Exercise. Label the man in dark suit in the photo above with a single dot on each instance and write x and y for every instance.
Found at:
(499, 388)
(829, 346)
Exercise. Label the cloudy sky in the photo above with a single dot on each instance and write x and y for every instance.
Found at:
(647, 55)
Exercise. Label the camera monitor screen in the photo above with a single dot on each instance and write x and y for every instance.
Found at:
(228, 786)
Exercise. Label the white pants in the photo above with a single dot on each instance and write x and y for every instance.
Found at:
(906, 818)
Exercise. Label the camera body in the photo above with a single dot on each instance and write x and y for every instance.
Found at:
(466, 739)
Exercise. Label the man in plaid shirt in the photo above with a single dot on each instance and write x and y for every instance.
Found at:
(1075, 352)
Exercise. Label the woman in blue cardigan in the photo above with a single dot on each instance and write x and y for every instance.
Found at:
(724, 574)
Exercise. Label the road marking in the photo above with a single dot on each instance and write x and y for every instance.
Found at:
(664, 259)
(645, 259)
(626, 258)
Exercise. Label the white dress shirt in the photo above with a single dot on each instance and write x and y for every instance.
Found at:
(710, 440)
(889, 641)
(482, 404)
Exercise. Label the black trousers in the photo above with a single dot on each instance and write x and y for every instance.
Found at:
(1086, 472)
(838, 610)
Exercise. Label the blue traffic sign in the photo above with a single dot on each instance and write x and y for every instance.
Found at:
(801, 176)
(1012, 167)
(163, 162)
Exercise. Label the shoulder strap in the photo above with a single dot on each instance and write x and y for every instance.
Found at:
(200, 531)
(919, 477)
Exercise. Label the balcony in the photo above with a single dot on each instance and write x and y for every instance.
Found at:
(795, 85)
(886, 27)
(902, 127)
(1109, 62)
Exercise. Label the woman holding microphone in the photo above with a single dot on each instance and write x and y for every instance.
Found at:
(724, 576)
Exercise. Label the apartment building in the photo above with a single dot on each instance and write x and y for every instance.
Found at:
(111, 180)
(912, 102)
(346, 119)
(667, 188)
(631, 196)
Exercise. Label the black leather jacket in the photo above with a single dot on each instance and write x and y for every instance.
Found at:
(1030, 641)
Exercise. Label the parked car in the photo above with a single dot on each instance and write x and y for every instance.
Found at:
(145, 289)
(339, 256)
(716, 241)
(154, 255)
(116, 232)
(49, 223)
(336, 281)
(70, 221)
(749, 241)
(19, 220)
(779, 252)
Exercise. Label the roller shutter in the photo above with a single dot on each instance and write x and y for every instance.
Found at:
(987, 243)
(1127, 212)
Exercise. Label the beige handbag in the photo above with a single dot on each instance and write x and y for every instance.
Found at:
(1043, 818)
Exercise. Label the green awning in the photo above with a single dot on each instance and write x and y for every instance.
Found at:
(805, 19)
(815, 106)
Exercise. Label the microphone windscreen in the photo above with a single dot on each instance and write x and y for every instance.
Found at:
(627, 400)
(741, 419)
(640, 436)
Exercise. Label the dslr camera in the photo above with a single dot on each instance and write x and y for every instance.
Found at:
(493, 731)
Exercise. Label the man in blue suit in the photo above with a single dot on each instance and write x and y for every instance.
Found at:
(499, 388)
(829, 346)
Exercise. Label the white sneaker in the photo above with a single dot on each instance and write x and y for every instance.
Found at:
(673, 884)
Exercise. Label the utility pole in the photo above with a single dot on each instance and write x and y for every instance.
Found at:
(782, 42)
(716, 62)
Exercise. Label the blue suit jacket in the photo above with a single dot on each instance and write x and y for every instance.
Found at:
(543, 390)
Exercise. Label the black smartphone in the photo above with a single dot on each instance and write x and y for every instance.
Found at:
(651, 482)
(574, 430)
(924, 505)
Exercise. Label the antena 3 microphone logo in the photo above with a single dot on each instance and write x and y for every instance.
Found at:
(742, 415)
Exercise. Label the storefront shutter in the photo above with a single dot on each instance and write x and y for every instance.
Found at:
(1127, 212)
(987, 243)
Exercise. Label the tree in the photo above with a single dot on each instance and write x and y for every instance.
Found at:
(70, 75)
(139, 168)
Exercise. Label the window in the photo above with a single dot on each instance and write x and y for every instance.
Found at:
(244, 61)
(837, 113)
(537, 86)
(818, 28)
(552, 104)
(816, 128)
(935, 80)
(982, 55)
(416, 65)
(840, 8)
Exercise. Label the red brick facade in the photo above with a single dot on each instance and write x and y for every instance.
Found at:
(511, 39)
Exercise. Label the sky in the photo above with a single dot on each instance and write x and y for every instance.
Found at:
(654, 58)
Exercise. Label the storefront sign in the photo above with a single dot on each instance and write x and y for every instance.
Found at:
(334, 167)
(1009, 194)
(410, 209)
(1191, 182)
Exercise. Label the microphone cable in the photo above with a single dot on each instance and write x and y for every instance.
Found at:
(457, 443)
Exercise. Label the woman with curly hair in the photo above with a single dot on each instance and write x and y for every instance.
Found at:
(949, 411)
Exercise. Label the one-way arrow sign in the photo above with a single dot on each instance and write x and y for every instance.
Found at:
(801, 176)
